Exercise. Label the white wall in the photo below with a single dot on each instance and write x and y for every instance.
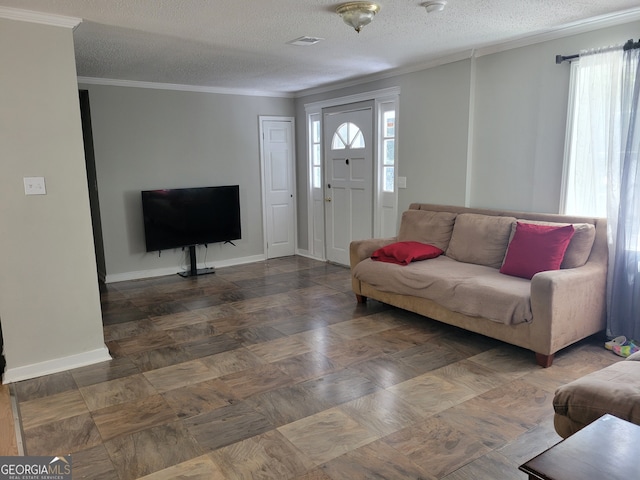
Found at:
(49, 298)
(485, 132)
(148, 139)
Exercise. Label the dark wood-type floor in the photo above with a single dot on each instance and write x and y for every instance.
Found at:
(272, 371)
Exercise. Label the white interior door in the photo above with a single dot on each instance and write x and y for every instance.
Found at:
(278, 185)
(349, 148)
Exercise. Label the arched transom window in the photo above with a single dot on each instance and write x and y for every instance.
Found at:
(348, 135)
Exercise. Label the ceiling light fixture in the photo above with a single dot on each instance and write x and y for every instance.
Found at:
(358, 14)
(434, 6)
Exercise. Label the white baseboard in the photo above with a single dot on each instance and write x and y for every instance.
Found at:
(305, 253)
(139, 274)
(240, 261)
(160, 272)
(56, 365)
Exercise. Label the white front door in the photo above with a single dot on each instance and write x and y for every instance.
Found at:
(278, 181)
(348, 147)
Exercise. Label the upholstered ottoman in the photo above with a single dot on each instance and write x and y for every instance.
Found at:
(614, 389)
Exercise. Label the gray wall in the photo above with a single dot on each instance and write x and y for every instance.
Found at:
(486, 132)
(148, 139)
(49, 298)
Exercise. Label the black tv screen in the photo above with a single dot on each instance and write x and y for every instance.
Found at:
(183, 217)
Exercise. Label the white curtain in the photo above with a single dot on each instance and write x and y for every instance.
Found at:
(594, 132)
(602, 172)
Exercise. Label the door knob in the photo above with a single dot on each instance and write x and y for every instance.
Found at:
(327, 199)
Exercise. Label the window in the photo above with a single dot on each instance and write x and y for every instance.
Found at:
(597, 142)
(347, 135)
(316, 160)
(593, 133)
(387, 166)
(601, 171)
(388, 150)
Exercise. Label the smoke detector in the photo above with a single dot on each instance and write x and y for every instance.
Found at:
(434, 5)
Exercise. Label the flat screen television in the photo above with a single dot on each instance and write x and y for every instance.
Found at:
(183, 217)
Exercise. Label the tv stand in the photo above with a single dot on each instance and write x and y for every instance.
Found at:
(195, 271)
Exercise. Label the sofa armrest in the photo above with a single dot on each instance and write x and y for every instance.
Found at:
(567, 304)
(360, 250)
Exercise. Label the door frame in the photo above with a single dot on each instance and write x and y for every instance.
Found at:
(314, 111)
(263, 179)
(329, 115)
(92, 184)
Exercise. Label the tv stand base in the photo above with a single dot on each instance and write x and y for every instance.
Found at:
(199, 271)
(194, 271)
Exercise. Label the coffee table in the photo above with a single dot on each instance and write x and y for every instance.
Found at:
(608, 448)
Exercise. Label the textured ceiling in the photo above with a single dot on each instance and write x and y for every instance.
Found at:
(242, 44)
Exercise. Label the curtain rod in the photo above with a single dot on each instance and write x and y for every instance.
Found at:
(565, 58)
(630, 45)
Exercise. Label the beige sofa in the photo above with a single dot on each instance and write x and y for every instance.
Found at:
(614, 389)
(464, 287)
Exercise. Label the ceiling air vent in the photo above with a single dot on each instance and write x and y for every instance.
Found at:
(305, 41)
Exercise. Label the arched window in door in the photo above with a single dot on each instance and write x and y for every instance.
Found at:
(347, 135)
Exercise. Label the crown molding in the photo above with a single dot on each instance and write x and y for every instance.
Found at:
(381, 94)
(39, 17)
(567, 30)
(570, 29)
(184, 88)
(436, 62)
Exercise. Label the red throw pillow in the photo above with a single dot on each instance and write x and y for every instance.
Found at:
(403, 253)
(536, 248)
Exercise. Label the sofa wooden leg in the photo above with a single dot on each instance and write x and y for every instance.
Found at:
(544, 361)
(361, 298)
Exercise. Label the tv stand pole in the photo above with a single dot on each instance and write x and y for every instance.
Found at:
(195, 271)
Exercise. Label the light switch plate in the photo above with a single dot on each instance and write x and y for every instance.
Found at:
(34, 186)
(402, 182)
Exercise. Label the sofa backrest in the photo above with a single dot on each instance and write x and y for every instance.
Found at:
(427, 226)
(589, 243)
(480, 239)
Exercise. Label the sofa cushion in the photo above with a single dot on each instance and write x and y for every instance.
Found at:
(614, 389)
(480, 239)
(580, 245)
(536, 248)
(474, 290)
(433, 228)
(403, 253)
